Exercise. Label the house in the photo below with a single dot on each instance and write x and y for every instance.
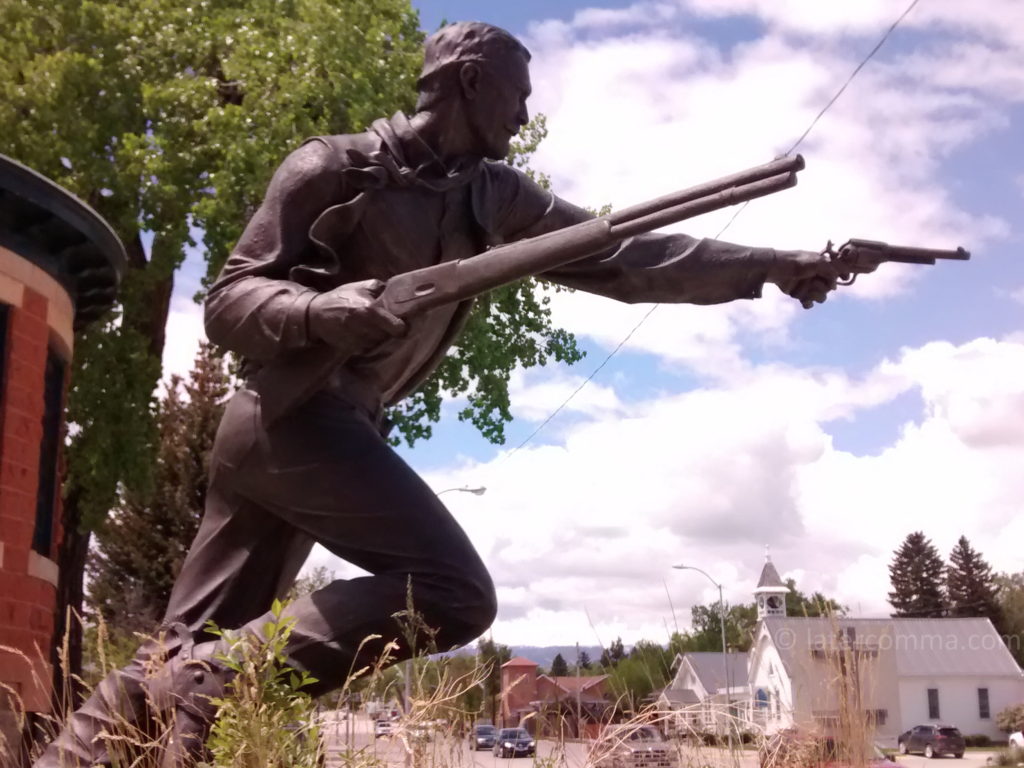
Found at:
(708, 691)
(834, 674)
(568, 706)
(899, 672)
(60, 265)
(895, 672)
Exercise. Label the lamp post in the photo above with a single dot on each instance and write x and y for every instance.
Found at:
(478, 491)
(725, 652)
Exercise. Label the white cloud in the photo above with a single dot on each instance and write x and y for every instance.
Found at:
(535, 402)
(581, 533)
(711, 476)
(634, 113)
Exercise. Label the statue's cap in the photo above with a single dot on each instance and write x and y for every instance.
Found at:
(467, 41)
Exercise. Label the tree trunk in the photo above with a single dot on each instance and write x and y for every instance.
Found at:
(146, 300)
(74, 548)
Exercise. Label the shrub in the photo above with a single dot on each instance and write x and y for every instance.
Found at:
(977, 740)
(1011, 719)
(1007, 757)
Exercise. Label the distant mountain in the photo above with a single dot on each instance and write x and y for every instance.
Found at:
(545, 654)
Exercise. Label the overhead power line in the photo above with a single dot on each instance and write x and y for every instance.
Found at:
(739, 210)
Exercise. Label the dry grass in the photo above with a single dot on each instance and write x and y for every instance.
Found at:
(438, 715)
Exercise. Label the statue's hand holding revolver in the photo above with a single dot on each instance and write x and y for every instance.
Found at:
(809, 277)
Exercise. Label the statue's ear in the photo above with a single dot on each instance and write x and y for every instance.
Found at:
(469, 80)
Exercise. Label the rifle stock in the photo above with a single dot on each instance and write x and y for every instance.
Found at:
(286, 384)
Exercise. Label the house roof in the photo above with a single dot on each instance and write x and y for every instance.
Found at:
(571, 684)
(769, 576)
(922, 647)
(711, 670)
(680, 697)
(519, 661)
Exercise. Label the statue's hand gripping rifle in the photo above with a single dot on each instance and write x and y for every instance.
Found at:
(285, 384)
(857, 257)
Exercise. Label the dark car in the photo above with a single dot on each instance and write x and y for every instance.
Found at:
(514, 742)
(932, 740)
(482, 737)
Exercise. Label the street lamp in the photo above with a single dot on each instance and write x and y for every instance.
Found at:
(725, 652)
(478, 491)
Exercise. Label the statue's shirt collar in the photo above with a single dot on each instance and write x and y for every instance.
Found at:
(405, 159)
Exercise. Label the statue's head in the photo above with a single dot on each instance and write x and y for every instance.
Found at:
(483, 72)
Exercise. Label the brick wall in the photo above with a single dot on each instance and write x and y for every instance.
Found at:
(27, 594)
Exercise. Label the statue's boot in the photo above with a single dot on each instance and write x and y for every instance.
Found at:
(116, 705)
(184, 692)
(129, 711)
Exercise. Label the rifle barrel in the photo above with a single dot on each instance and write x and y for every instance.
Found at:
(713, 201)
(774, 168)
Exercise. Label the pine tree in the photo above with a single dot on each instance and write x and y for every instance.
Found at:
(613, 654)
(141, 548)
(917, 574)
(558, 666)
(971, 585)
(584, 661)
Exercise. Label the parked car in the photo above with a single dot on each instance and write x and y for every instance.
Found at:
(637, 747)
(932, 740)
(482, 737)
(383, 727)
(514, 742)
(1017, 740)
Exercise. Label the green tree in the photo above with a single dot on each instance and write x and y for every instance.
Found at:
(971, 586)
(917, 575)
(140, 550)
(799, 604)
(584, 662)
(169, 118)
(740, 621)
(558, 666)
(492, 655)
(1011, 719)
(1011, 607)
(613, 654)
(643, 672)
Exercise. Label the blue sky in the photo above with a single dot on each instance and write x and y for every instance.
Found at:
(828, 434)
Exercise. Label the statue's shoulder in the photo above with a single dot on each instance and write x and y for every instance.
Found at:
(339, 145)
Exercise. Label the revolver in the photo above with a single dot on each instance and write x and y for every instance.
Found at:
(857, 256)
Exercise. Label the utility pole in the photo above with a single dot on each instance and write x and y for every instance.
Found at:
(579, 707)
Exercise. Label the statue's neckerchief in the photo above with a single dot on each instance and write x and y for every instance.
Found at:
(390, 166)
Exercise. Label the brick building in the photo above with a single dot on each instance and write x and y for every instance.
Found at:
(60, 265)
(547, 705)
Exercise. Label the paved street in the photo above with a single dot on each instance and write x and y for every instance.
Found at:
(341, 735)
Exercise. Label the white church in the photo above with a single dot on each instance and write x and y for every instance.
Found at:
(804, 672)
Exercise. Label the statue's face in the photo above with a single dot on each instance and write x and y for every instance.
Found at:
(499, 109)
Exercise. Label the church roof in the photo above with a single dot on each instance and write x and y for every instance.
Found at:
(923, 647)
(769, 576)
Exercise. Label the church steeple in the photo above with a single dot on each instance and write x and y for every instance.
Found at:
(771, 591)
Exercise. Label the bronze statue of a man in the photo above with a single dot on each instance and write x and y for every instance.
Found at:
(341, 215)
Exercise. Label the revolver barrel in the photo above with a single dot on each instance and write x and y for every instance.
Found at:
(906, 254)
